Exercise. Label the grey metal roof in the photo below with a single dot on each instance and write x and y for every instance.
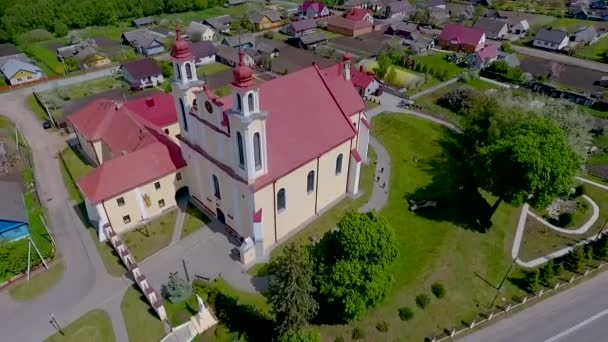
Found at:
(8, 50)
(12, 205)
(554, 36)
(10, 68)
(144, 21)
(142, 38)
(236, 41)
(202, 49)
(256, 17)
(303, 25)
(491, 26)
(399, 6)
(313, 38)
(219, 23)
(266, 48)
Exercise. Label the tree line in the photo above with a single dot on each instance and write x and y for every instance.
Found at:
(17, 17)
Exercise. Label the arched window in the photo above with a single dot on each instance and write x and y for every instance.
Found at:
(310, 182)
(188, 71)
(239, 142)
(281, 200)
(339, 164)
(179, 72)
(250, 102)
(184, 116)
(257, 152)
(238, 103)
(216, 187)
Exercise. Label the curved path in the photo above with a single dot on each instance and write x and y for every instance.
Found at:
(582, 230)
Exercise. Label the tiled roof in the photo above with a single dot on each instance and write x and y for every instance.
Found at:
(488, 52)
(142, 68)
(554, 36)
(465, 35)
(203, 49)
(140, 152)
(492, 27)
(317, 7)
(301, 128)
(347, 23)
(357, 14)
(10, 68)
(159, 109)
(361, 78)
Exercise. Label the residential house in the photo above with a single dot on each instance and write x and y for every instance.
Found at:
(311, 41)
(143, 22)
(245, 41)
(300, 27)
(395, 9)
(313, 9)
(85, 54)
(458, 37)
(139, 168)
(265, 20)
(233, 3)
(509, 58)
(265, 49)
(407, 31)
(198, 31)
(204, 52)
(14, 223)
(483, 57)
(142, 73)
(145, 41)
(585, 35)
(19, 72)
(421, 45)
(519, 26)
(355, 4)
(441, 4)
(551, 39)
(349, 27)
(284, 158)
(10, 51)
(494, 28)
(230, 56)
(366, 82)
(438, 16)
(494, 14)
(359, 14)
(220, 24)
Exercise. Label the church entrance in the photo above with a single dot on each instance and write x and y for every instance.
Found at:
(220, 216)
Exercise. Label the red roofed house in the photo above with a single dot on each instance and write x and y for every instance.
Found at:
(313, 9)
(482, 58)
(138, 166)
(266, 160)
(355, 23)
(458, 37)
(366, 82)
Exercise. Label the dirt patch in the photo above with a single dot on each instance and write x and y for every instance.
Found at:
(366, 45)
(575, 78)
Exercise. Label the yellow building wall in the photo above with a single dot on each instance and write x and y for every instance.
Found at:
(266, 23)
(264, 199)
(300, 205)
(168, 187)
(172, 131)
(23, 75)
(332, 186)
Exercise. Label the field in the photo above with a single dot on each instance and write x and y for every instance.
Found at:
(437, 61)
(94, 326)
(569, 24)
(142, 324)
(403, 78)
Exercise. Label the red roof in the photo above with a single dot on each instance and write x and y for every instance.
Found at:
(362, 79)
(488, 52)
(344, 93)
(465, 35)
(348, 23)
(317, 7)
(140, 152)
(305, 119)
(159, 109)
(358, 14)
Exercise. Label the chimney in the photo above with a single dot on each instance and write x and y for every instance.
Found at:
(361, 68)
(346, 66)
(116, 105)
(150, 102)
(314, 63)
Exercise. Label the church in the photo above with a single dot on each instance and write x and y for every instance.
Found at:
(270, 157)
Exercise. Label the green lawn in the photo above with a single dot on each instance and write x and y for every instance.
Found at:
(569, 24)
(403, 77)
(223, 91)
(74, 167)
(35, 107)
(150, 238)
(94, 326)
(112, 32)
(187, 17)
(593, 51)
(194, 220)
(210, 69)
(142, 323)
(39, 283)
(330, 35)
(437, 62)
(46, 59)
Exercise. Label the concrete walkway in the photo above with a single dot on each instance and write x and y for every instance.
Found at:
(182, 205)
(381, 180)
(582, 230)
(434, 88)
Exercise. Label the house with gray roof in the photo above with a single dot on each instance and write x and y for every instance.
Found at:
(265, 20)
(509, 58)
(220, 24)
(144, 41)
(18, 72)
(551, 39)
(494, 28)
(395, 9)
(585, 35)
(10, 51)
(300, 27)
(244, 41)
(143, 22)
(312, 40)
(230, 56)
(204, 52)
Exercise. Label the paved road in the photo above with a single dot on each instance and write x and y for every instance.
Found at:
(564, 59)
(576, 315)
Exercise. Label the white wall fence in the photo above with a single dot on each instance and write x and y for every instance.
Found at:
(452, 333)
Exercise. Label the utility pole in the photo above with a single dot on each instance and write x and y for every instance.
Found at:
(502, 282)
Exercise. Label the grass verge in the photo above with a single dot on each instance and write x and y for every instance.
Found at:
(194, 220)
(39, 283)
(94, 326)
(151, 237)
(142, 323)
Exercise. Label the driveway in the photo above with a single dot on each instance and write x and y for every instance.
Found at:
(564, 59)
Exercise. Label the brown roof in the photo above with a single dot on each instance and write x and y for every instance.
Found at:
(347, 23)
(142, 68)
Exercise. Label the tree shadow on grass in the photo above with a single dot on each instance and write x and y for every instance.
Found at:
(245, 320)
(453, 189)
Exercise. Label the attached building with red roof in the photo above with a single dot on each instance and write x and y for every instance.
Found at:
(271, 157)
(313, 9)
(354, 24)
(458, 37)
(366, 82)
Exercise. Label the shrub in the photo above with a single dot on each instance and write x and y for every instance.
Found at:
(578, 191)
(382, 326)
(546, 274)
(339, 339)
(458, 99)
(506, 47)
(565, 219)
(406, 313)
(600, 247)
(358, 333)
(37, 35)
(423, 300)
(574, 260)
(177, 289)
(531, 278)
(438, 290)
(60, 28)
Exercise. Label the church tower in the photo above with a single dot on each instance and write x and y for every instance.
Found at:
(184, 79)
(247, 124)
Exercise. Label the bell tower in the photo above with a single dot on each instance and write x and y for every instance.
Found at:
(184, 78)
(248, 124)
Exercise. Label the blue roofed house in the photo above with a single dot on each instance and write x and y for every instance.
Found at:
(144, 41)
(13, 215)
(245, 42)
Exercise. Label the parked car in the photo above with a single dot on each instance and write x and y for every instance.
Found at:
(46, 124)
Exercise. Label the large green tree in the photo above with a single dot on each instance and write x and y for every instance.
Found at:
(290, 290)
(531, 162)
(352, 265)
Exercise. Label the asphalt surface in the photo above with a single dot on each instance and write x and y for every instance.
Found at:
(561, 58)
